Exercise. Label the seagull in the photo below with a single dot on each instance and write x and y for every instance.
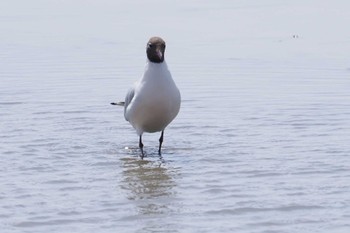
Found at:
(154, 101)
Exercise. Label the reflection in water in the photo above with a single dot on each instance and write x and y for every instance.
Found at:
(149, 184)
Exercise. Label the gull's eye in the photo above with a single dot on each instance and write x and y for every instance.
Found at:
(149, 45)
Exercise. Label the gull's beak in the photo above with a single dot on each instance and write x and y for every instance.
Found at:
(159, 53)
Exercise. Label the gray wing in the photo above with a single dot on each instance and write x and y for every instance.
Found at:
(128, 98)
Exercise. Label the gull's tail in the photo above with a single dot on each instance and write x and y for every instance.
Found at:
(118, 103)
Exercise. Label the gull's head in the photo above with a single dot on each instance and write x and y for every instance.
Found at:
(155, 50)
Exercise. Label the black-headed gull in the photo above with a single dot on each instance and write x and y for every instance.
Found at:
(155, 100)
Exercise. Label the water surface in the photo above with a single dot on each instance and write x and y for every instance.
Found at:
(261, 143)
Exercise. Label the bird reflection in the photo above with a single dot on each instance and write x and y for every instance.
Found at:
(149, 184)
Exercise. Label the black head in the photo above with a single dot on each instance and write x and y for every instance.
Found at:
(155, 49)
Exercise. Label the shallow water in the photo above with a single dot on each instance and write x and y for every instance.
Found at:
(261, 143)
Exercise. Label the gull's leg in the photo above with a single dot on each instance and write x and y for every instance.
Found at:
(141, 146)
(160, 143)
